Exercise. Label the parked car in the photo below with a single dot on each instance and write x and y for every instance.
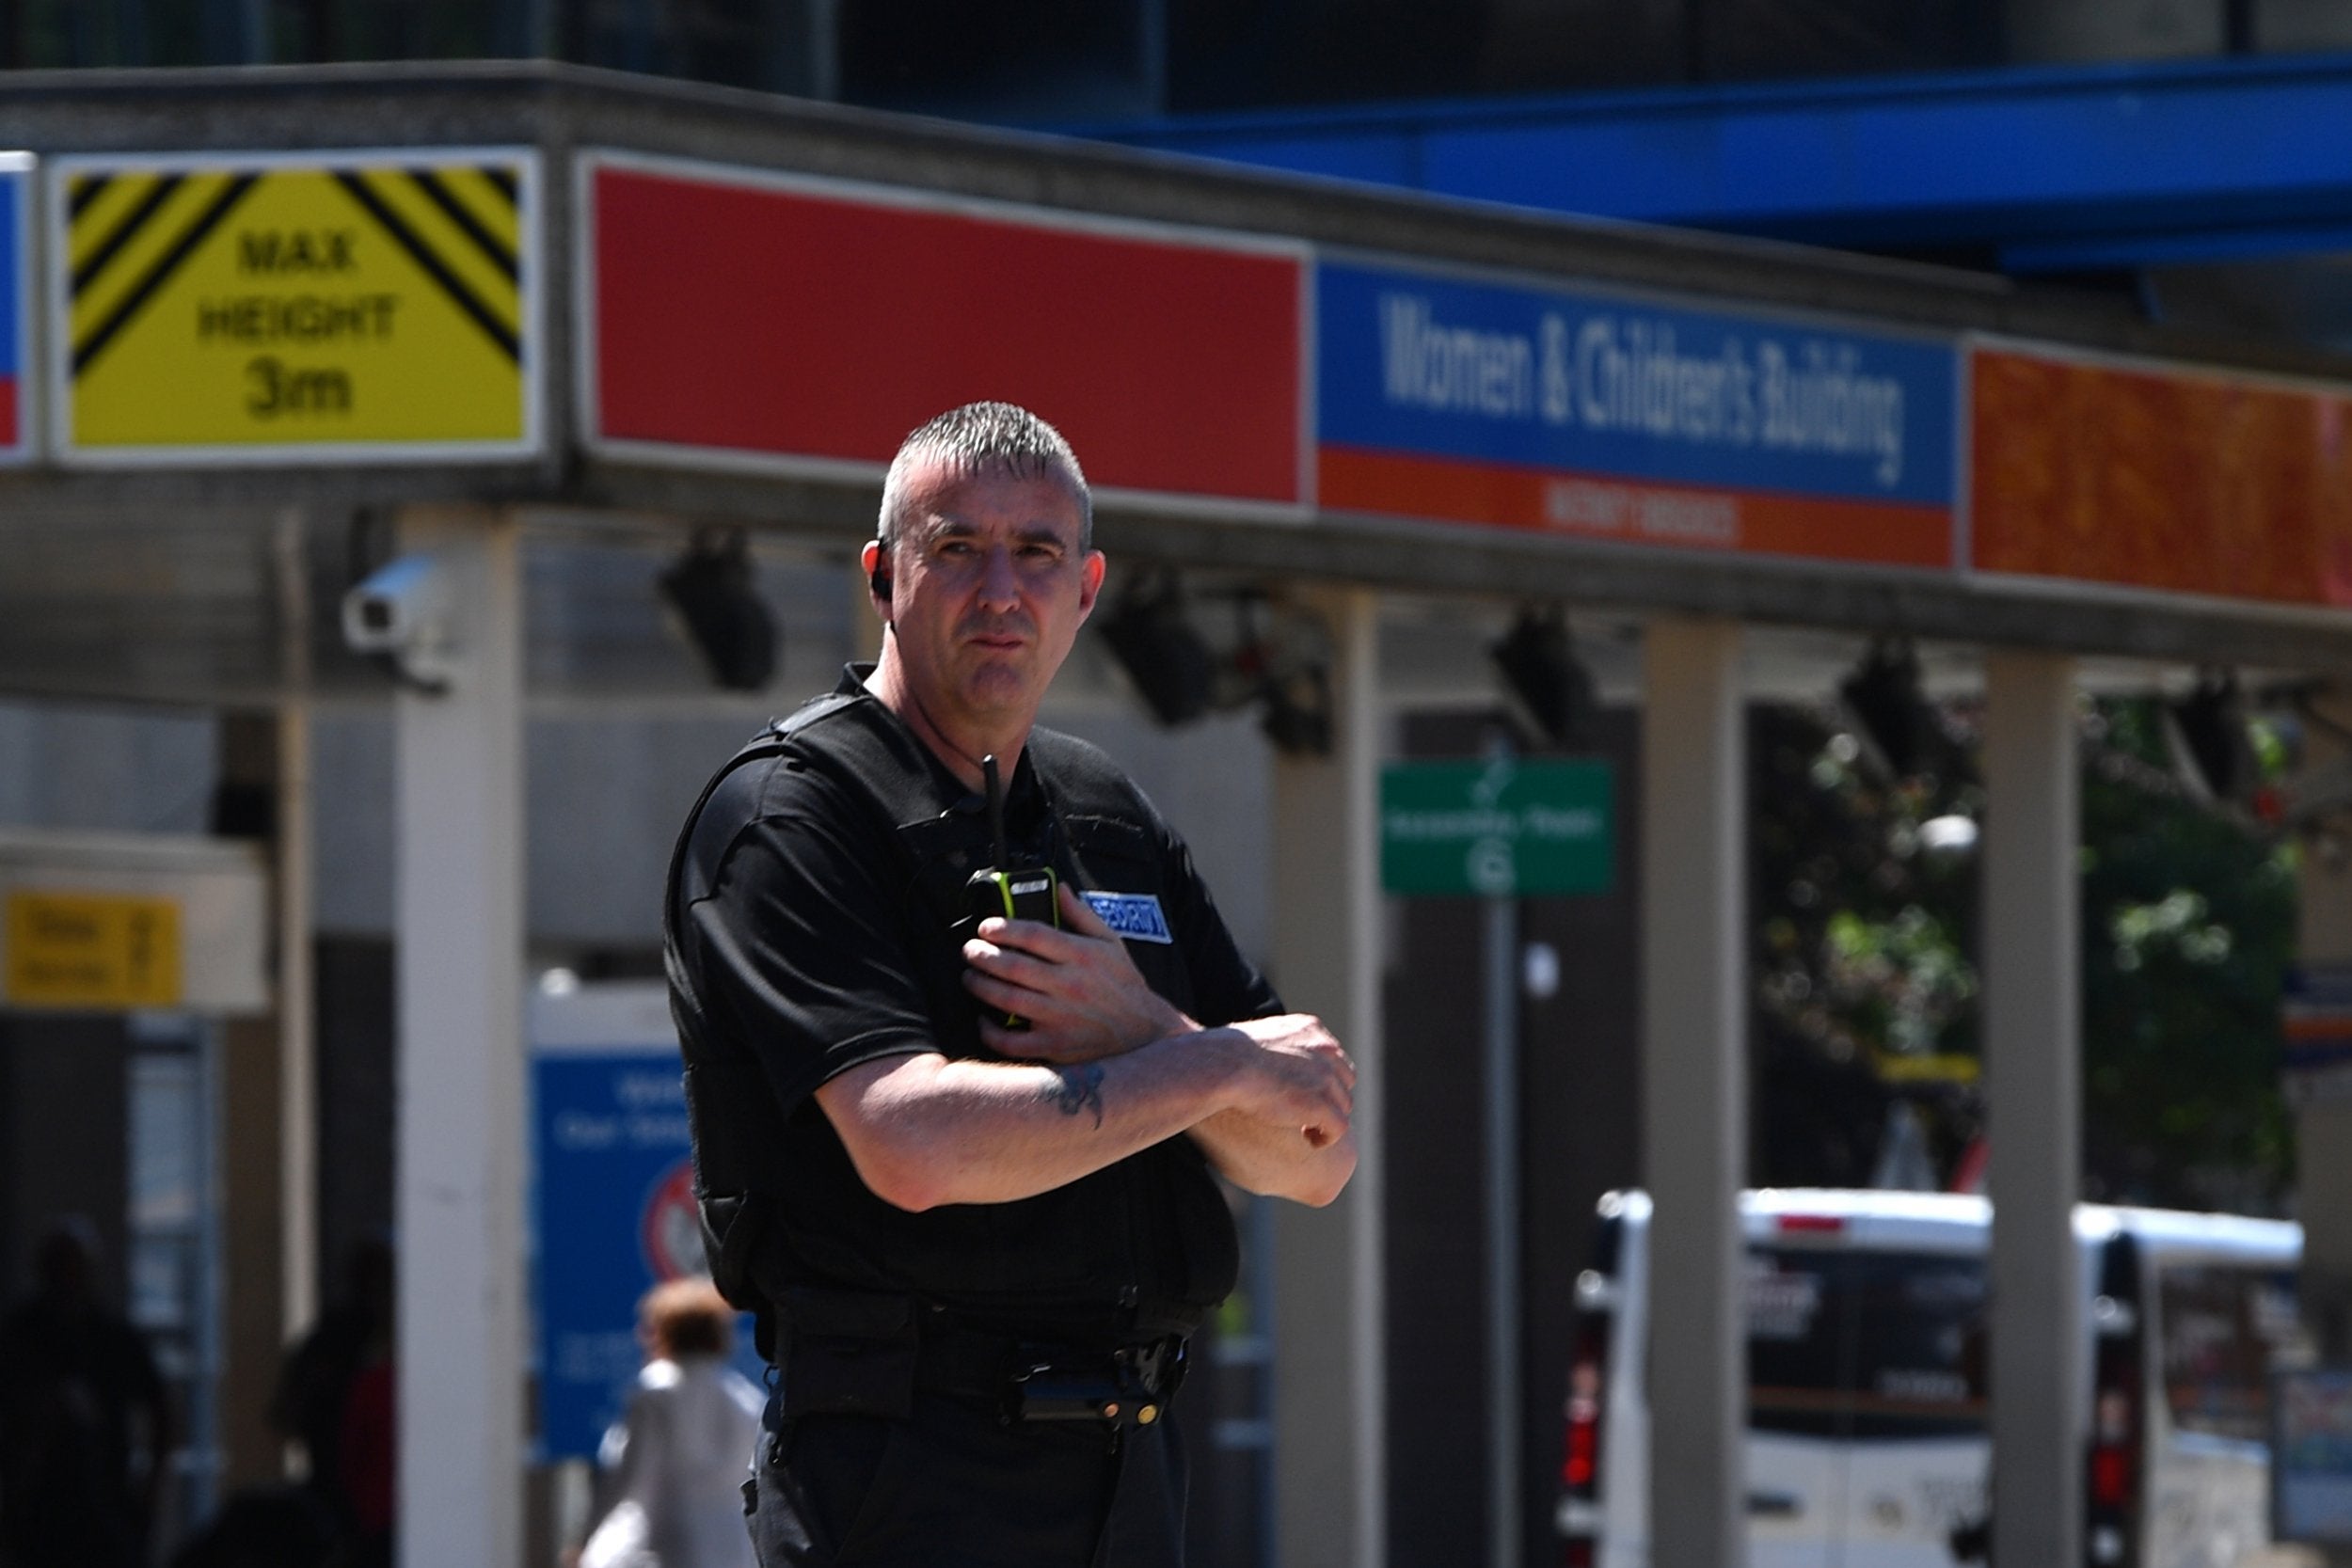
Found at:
(1867, 1432)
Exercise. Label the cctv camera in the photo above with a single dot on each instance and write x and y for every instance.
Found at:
(401, 612)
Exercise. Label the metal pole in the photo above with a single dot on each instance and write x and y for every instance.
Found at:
(1502, 1231)
(1152, 54)
(824, 48)
(297, 1078)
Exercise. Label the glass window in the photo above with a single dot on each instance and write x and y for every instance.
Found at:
(2223, 1328)
(1865, 1344)
(174, 1242)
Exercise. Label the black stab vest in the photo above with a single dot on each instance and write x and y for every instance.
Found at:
(1143, 1247)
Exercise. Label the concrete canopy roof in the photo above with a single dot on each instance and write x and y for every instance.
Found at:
(195, 562)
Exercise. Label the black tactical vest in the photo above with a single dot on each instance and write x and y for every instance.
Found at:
(1143, 1247)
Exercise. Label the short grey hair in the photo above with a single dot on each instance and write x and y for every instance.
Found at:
(984, 437)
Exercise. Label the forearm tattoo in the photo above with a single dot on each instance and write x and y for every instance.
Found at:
(1079, 1089)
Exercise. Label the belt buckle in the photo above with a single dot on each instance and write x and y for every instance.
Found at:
(1046, 1389)
(1128, 1387)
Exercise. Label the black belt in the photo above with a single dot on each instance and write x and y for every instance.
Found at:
(1041, 1381)
(866, 1354)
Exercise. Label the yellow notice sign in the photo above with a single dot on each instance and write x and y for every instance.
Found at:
(96, 950)
(303, 308)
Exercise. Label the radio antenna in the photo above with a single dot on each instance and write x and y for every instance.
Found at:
(995, 789)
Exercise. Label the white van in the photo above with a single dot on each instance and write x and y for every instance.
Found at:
(1868, 1442)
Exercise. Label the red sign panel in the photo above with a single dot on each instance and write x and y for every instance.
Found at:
(745, 316)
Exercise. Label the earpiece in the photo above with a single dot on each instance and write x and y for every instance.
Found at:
(878, 581)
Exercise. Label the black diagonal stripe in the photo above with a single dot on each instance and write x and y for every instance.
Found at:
(132, 222)
(164, 266)
(451, 285)
(87, 190)
(501, 176)
(455, 210)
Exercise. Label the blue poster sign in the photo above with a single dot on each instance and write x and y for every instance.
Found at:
(16, 273)
(614, 1200)
(2311, 1466)
(1662, 424)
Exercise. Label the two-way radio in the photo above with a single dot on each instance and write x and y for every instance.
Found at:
(1006, 890)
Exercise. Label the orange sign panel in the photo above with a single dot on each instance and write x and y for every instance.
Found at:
(2161, 480)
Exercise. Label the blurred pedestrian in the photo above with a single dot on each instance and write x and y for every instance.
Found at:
(367, 1460)
(675, 1463)
(315, 1387)
(86, 1427)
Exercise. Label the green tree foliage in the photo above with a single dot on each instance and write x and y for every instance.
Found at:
(1863, 951)
(2188, 928)
(1866, 939)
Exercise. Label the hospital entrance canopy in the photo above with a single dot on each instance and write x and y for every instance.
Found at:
(232, 296)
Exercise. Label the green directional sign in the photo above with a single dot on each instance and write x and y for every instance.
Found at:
(1497, 827)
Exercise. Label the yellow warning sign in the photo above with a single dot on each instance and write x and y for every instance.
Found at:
(94, 950)
(301, 308)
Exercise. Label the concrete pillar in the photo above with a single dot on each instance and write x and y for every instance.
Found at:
(458, 903)
(1694, 1089)
(1330, 1352)
(2322, 1101)
(2033, 1081)
(2323, 1110)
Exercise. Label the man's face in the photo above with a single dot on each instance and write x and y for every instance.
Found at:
(988, 590)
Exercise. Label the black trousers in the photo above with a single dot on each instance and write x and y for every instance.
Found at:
(953, 1486)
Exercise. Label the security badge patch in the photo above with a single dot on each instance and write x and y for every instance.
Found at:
(1135, 916)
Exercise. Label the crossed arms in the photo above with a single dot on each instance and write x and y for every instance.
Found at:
(1107, 1068)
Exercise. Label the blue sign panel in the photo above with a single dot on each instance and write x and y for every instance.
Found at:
(1533, 407)
(16, 269)
(615, 1204)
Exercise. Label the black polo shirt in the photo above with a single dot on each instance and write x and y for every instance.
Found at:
(817, 923)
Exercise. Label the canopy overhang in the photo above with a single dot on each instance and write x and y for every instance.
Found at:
(199, 549)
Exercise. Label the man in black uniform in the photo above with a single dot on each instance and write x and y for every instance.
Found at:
(961, 1170)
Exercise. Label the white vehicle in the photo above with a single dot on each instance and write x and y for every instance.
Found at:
(1867, 1443)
